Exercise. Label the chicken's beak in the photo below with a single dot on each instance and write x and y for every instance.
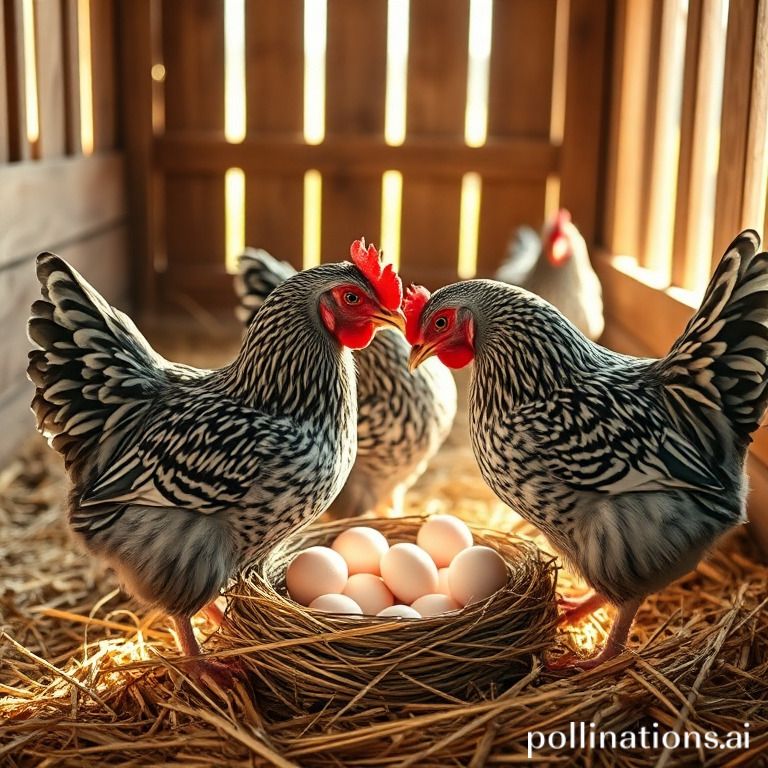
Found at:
(419, 353)
(392, 318)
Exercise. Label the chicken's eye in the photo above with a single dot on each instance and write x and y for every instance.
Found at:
(351, 298)
(441, 323)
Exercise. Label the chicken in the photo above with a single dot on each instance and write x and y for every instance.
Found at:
(631, 467)
(557, 268)
(523, 252)
(180, 475)
(402, 418)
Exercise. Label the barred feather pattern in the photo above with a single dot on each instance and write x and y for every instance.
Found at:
(631, 467)
(180, 474)
(403, 418)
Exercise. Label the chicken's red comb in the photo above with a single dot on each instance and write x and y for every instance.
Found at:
(385, 281)
(416, 298)
(562, 217)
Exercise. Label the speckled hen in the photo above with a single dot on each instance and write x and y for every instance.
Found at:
(179, 475)
(631, 467)
(402, 418)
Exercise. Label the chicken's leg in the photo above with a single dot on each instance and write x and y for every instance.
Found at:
(201, 668)
(214, 614)
(574, 610)
(617, 639)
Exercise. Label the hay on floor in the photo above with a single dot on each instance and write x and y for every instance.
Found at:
(88, 678)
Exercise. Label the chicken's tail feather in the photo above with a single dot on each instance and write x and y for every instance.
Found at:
(259, 274)
(719, 364)
(93, 372)
(522, 254)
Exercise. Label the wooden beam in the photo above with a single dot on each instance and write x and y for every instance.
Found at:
(584, 108)
(734, 124)
(77, 195)
(13, 22)
(134, 24)
(511, 159)
(685, 157)
(756, 173)
(72, 77)
(49, 40)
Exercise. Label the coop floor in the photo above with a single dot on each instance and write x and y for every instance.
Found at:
(87, 677)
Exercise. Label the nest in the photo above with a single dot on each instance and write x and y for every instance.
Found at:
(310, 661)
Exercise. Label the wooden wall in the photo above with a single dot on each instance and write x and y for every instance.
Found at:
(60, 190)
(545, 107)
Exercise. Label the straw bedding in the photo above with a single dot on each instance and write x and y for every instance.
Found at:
(88, 678)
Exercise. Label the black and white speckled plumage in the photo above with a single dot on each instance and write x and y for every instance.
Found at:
(403, 417)
(180, 474)
(631, 467)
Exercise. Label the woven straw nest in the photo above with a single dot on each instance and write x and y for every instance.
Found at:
(307, 660)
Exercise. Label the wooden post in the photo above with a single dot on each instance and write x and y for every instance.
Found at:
(135, 62)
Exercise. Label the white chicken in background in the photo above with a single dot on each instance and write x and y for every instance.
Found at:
(556, 266)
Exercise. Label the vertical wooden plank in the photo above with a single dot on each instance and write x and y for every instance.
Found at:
(19, 146)
(505, 206)
(519, 104)
(437, 67)
(756, 174)
(274, 45)
(623, 198)
(193, 52)
(584, 110)
(522, 60)
(274, 215)
(436, 102)
(71, 57)
(194, 225)
(430, 235)
(50, 77)
(103, 73)
(697, 215)
(356, 61)
(652, 103)
(4, 110)
(687, 117)
(135, 28)
(662, 182)
(734, 124)
(613, 230)
(355, 68)
(274, 62)
(351, 209)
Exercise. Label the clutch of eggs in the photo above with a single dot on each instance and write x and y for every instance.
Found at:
(362, 574)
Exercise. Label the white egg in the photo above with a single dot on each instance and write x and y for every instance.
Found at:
(362, 548)
(400, 612)
(443, 537)
(475, 574)
(315, 571)
(434, 605)
(409, 572)
(336, 604)
(369, 592)
(442, 582)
